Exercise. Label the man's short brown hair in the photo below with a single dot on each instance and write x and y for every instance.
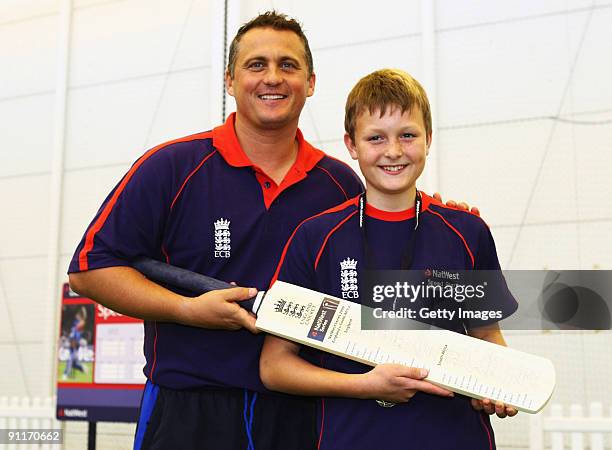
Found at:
(383, 89)
(276, 21)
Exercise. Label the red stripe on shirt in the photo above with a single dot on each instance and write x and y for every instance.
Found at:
(333, 230)
(467, 247)
(188, 177)
(322, 423)
(333, 179)
(165, 252)
(154, 354)
(155, 323)
(99, 223)
(487, 430)
(340, 207)
(322, 364)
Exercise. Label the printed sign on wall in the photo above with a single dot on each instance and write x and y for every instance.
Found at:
(100, 362)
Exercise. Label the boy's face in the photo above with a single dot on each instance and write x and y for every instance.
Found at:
(271, 81)
(391, 151)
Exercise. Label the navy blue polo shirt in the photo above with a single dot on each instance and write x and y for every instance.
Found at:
(199, 203)
(326, 253)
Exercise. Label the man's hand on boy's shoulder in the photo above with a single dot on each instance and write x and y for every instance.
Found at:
(490, 407)
(460, 205)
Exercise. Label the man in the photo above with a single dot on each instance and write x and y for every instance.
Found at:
(222, 203)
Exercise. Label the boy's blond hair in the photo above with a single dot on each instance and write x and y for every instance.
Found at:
(383, 89)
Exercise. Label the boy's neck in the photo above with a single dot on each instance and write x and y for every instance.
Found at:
(392, 202)
(274, 151)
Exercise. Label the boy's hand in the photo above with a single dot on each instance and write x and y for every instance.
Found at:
(398, 384)
(460, 205)
(491, 407)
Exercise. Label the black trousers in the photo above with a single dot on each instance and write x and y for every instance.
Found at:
(229, 419)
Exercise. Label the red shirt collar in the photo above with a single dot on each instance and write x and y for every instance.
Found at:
(397, 216)
(226, 141)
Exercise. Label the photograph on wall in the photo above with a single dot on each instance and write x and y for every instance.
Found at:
(76, 346)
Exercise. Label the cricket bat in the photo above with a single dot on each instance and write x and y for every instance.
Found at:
(460, 363)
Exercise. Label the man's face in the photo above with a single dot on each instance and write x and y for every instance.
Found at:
(391, 151)
(271, 79)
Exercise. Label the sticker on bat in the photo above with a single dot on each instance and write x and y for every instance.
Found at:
(323, 318)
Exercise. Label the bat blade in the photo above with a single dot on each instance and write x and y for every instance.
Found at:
(457, 362)
(460, 363)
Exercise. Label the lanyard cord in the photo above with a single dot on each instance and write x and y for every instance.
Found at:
(408, 256)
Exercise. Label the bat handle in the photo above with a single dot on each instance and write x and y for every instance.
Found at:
(184, 279)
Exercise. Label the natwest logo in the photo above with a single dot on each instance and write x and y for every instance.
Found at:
(73, 412)
(105, 313)
(445, 274)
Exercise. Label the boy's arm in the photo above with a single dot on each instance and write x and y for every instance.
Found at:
(282, 369)
(503, 300)
(491, 333)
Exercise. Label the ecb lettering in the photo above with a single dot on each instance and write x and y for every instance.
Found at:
(222, 254)
(350, 294)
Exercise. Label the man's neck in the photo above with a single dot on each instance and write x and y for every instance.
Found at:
(274, 151)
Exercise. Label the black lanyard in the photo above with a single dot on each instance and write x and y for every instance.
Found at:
(408, 256)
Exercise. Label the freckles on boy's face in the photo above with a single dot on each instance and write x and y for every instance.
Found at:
(391, 150)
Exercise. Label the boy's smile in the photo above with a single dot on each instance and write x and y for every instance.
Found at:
(391, 151)
(394, 169)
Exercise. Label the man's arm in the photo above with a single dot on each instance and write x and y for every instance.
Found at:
(128, 292)
(282, 369)
(131, 223)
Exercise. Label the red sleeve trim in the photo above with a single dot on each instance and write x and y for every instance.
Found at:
(467, 247)
(154, 354)
(340, 207)
(180, 191)
(99, 223)
(334, 180)
(333, 230)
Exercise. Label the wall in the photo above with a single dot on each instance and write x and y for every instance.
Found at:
(523, 109)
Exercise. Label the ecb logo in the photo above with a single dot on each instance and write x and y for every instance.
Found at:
(223, 238)
(348, 279)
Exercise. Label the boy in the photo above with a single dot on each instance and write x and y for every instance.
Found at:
(388, 131)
